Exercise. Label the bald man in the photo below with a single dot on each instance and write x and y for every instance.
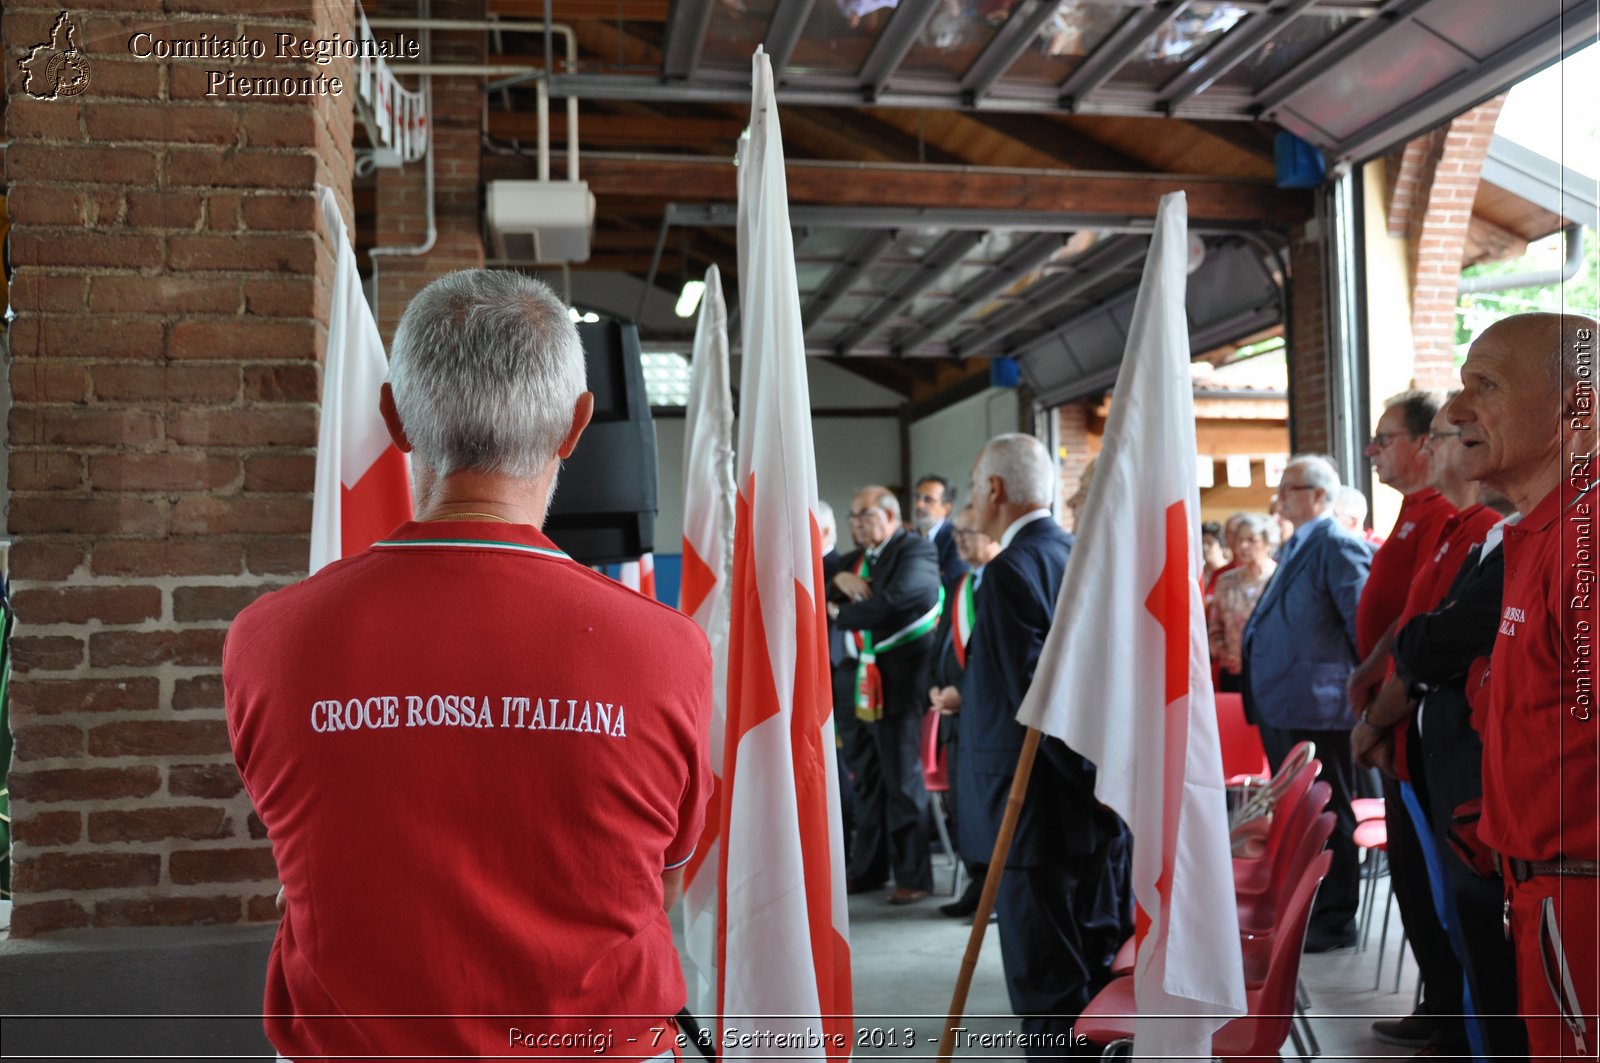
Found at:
(1526, 416)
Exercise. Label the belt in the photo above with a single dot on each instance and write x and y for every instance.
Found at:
(1522, 870)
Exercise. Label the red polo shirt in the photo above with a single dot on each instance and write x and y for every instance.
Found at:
(1416, 533)
(1541, 740)
(1457, 536)
(474, 758)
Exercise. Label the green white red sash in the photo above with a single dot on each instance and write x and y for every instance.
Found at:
(961, 622)
(869, 680)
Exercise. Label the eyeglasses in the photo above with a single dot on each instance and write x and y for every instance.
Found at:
(966, 532)
(1434, 437)
(932, 500)
(1381, 440)
(867, 514)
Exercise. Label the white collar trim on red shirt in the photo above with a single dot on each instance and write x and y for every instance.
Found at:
(474, 544)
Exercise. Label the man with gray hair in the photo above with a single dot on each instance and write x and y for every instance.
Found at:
(1063, 901)
(1299, 648)
(482, 765)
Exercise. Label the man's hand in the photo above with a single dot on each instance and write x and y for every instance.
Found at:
(1364, 739)
(852, 586)
(946, 700)
(833, 610)
(1364, 683)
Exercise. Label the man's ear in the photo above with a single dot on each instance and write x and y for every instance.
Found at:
(391, 419)
(581, 413)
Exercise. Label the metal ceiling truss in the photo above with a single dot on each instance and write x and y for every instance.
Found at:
(890, 49)
(942, 258)
(783, 32)
(984, 288)
(869, 247)
(1008, 44)
(1252, 33)
(1123, 43)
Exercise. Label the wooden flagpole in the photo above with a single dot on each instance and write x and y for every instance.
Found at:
(991, 886)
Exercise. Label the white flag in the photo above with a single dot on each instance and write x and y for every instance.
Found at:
(704, 594)
(784, 950)
(363, 482)
(1147, 718)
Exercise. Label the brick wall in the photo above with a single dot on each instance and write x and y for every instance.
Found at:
(1308, 350)
(402, 204)
(172, 287)
(1072, 422)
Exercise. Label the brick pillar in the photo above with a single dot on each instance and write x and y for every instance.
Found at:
(457, 144)
(172, 280)
(1072, 423)
(1432, 205)
(1308, 351)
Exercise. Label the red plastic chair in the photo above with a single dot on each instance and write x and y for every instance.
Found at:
(1261, 1032)
(936, 780)
(1244, 759)
(1295, 820)
(1250, 871)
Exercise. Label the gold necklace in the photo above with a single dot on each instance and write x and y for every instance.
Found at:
(464, 513)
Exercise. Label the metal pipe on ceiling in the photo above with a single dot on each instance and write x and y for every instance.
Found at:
(1534, 278)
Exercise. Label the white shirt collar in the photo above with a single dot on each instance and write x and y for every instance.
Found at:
(934, 531)
(1020, 523)
(1492, 541)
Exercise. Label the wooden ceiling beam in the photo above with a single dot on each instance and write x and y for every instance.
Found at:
(1231, 200)
(583, 10)
(1068, 146)
(615, 131)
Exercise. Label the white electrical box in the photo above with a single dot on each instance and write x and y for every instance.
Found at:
(547, 222)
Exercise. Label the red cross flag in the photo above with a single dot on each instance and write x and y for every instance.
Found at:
(363, 486)
(1146, 716)
(708, 494)
(784, 952)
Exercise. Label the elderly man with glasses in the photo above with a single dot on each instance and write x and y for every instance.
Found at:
(1299, 648)
(891, 600)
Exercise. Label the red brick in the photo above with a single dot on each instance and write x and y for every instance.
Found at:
(278, 127)
(213, 515)
(280, 296)
(280, 472)
(165, 123)
(257, 829)
(262, 909)
(35, 380)
(195, 646)
(81, 163)
(293, 213)
(167, 911)
(165, 383)
(151, 738)
(43, 205)
(287, 556)
(163, 210)
(222, 213)
(81, 336)
(43, 872)
(48, 740)
(39, 120)
(56, 426)
(174, 471)
(79, 605)
(199, 692)
(44, 653)
(190, 604)
(139, 79)
(34, 470)
(204, 780)
(153, 824)
(224, 427)
(36, 560)
(84, 784)
(41, 514)
(167, 557)
(33, 290)
(240, 169)
(167, 294)
(281, 383)
(262, 254)
(239, 339)
(38, 917)
(222, 865)
(49, 828)
(50, 696)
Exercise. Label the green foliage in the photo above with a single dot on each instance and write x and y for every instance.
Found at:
(1477, 311)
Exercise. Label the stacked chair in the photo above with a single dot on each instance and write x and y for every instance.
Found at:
(1283, 828)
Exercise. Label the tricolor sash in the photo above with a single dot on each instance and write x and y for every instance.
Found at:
(869, 680)
(961, 622)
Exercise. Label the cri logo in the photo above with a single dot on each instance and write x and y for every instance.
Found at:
(56, 68)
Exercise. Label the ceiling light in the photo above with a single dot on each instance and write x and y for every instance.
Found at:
(689, 299)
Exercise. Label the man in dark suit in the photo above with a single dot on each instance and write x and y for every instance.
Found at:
(931, 507)
(1064, 904)
(1299, 648)
(891, 599)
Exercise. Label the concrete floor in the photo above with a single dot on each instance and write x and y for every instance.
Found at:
(906, 961)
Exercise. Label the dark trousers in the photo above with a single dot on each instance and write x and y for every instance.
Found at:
(975, 870)
(866, 848)
(1452, 775)
(1436, 960)
(1340, 895)
(1060, 927)
(904, 810)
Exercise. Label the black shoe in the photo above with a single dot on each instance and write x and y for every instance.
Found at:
(1322, 939)
(961, 907)
(1413, 1031)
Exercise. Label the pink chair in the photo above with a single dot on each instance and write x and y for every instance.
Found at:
(936, 780)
